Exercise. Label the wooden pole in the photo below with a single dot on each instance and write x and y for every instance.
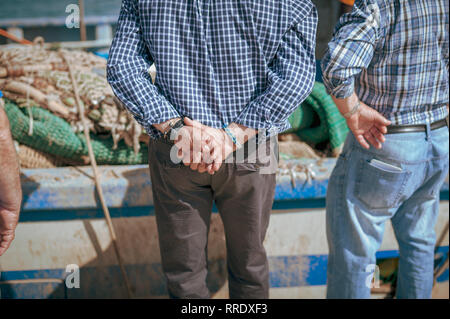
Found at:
(97, 177)
(82, 22)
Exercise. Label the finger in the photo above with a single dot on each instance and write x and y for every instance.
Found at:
(362, 141)
(210, 169)
(5, 242)
(382, 128)
(378, 135)
(381, 120)
(196, 157)
(187, 160)
(207, 154)
(217, 166)
(378, 143)
(192, 123)
(202, 168)
(183, 143)
(206, 140)
(209, 150)
(197, 139)
(187, 157)
(188, 121)
(217, 158)
(194, 166)
(372, 140)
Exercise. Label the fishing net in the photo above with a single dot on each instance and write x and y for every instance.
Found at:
(31, 158)
(318, 120)
(121, 155)
(303, 117)
(34, 75)
(40, 129)
(49, 133)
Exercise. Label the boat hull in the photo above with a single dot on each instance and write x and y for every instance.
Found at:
(61, 226)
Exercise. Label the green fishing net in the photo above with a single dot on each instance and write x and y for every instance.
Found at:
(318, 119)
(54, 136)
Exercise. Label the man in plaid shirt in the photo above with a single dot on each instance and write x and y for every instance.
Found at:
(387, 68)
(225, 70)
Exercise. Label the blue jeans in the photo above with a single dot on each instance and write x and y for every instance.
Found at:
(362, 196)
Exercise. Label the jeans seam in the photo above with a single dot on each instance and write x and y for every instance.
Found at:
(401, 190)
(342, 185)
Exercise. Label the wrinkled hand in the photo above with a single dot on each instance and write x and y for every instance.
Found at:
(8, 223)
(10, 189)
(368, 126)
(223, 147)
(209, 147)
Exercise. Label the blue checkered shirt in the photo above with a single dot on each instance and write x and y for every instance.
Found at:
(217, 61)
(394, 55)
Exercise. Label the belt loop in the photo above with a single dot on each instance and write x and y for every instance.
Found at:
(428, 130)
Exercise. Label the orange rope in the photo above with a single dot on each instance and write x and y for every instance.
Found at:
(13, 37)
(348, 2)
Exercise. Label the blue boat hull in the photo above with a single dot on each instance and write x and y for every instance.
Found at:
(61, 224)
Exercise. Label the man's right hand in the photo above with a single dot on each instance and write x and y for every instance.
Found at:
(368, 126)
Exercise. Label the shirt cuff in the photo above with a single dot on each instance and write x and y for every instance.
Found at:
(342, 91)
(168, 114)
(251, 117)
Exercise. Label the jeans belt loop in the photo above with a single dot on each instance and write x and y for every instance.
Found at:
(428, 130)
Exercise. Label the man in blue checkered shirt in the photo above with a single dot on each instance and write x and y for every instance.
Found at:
(387, 68)
(225, 70)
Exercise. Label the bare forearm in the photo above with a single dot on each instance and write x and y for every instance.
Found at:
(346, 105)
(10, 190)
(366, 124)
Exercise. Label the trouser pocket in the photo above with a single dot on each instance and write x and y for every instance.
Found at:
(165, 153)
(378, 186)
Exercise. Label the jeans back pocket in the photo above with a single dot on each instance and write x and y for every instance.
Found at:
(379, 188)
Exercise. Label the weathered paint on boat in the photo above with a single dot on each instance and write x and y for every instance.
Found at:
(61, 224)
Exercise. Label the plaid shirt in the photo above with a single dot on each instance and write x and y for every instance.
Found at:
(218, 62)
(394, 55)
